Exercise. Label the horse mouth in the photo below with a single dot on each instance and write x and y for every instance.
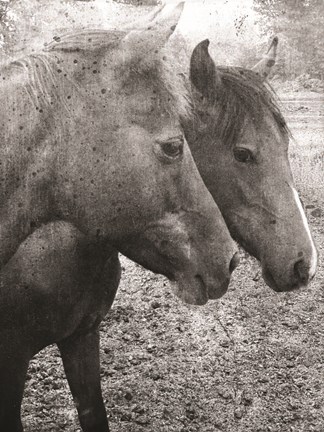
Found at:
(271, 282)
(196, 291)
(202, 287)
(191, 290)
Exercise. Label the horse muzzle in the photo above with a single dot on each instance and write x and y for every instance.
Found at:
(197, 289)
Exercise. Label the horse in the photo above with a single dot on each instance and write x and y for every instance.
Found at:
(102, 150)
(72, 290)
(239, 141)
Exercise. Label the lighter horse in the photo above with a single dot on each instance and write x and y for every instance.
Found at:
(91, 135)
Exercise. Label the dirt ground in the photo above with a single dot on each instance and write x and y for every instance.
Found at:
(252, 361)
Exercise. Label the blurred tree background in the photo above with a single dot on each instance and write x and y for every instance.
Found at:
(239, 31)
(300, 27)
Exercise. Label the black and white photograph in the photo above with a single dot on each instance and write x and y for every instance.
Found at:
(161, 216)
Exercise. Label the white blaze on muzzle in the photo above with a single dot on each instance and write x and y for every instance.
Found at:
(313, 261)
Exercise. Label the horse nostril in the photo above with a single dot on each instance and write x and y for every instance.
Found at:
(234, 262)
(301, 270)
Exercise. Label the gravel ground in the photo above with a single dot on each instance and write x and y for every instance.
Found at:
(252, 361)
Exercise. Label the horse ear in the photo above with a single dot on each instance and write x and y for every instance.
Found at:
(142, 23)
(263, 67)
(203, 74)
(156, 33)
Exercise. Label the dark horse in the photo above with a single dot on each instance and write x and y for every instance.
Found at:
(91, 135)
(240, 145)
(237, 111)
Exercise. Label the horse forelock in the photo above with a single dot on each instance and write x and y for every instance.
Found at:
(241, 96)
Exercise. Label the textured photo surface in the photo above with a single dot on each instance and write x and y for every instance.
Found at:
(161, 216)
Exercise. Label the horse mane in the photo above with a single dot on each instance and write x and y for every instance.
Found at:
(86, 40)
(43, 83)
(242, 95)
(162, 71)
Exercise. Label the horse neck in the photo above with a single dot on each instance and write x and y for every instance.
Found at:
(24, 190)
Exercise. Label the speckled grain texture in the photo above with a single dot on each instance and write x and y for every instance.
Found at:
(250, 362)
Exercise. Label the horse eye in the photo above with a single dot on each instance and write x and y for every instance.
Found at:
(243, 155)
(173, 147)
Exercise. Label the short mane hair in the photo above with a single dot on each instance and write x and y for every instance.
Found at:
(242, 94)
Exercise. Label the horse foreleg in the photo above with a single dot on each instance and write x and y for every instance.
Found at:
(81, 362)
(12, 382)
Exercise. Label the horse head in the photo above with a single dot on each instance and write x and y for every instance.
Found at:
(112, 158)
(240, 144)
